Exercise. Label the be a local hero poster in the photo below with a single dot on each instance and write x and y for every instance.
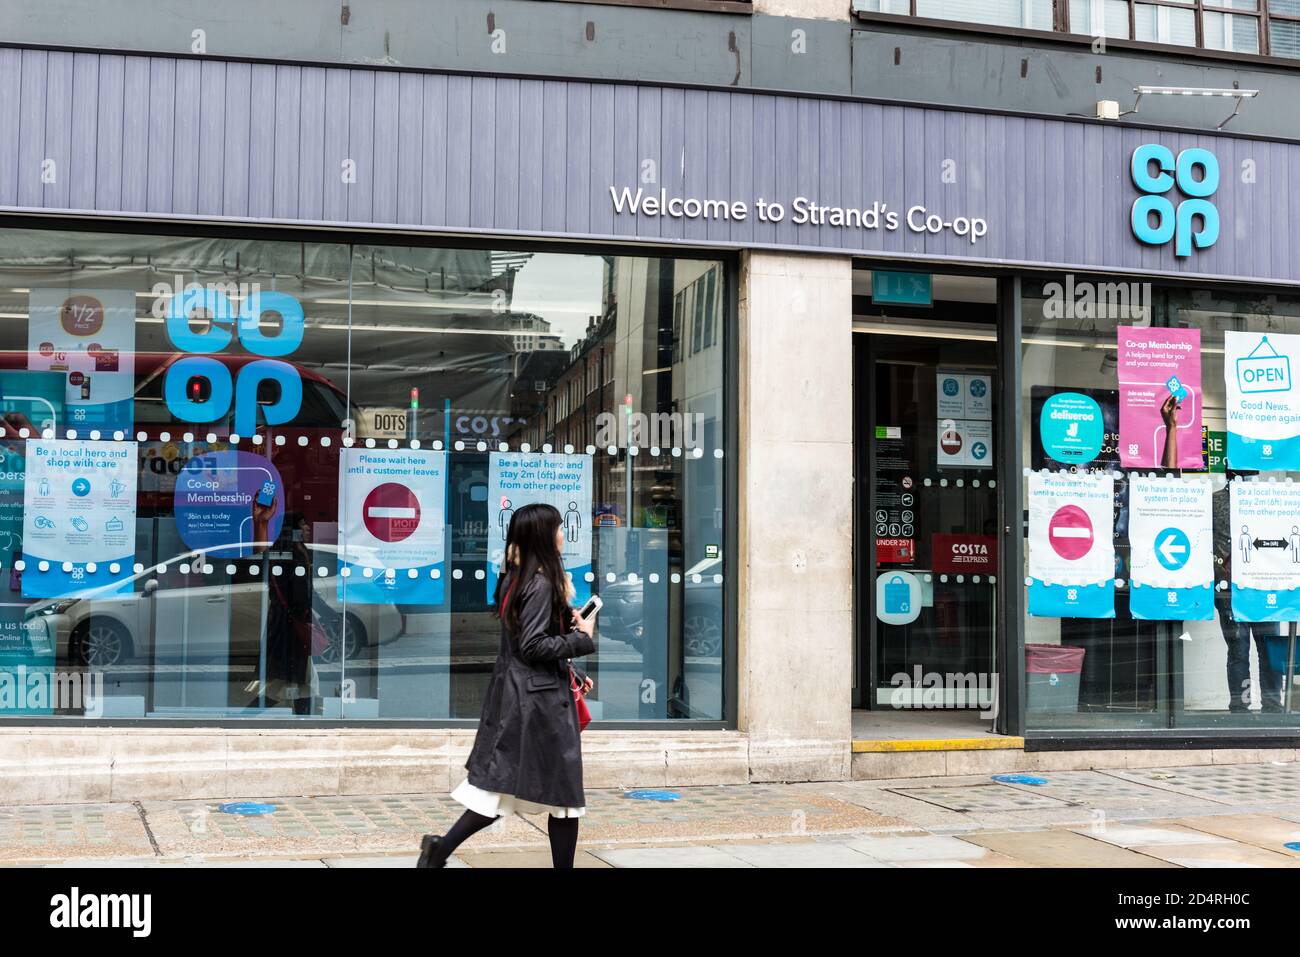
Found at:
(1263, 401)
(1265, 551)
(564, 481)
(78, 516)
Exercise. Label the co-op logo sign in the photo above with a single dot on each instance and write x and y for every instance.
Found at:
(182, 388)
(1187, 217)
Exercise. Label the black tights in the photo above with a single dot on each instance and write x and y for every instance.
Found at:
(562, 832)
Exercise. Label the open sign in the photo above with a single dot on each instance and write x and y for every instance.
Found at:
(1264, 370)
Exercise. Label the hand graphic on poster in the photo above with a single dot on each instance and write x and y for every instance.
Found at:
(262, 515)
(1169, 412)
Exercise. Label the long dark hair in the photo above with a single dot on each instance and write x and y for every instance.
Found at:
(530, 548)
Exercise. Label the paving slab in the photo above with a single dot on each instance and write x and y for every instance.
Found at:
(674, 857)
(112, 863)
(1270, 833)
(256, 862)
(523, 858)
(319, 827)
(819, 855)
(917, 848)
(59, 832)
(1060, 848)
(709, 813)
(1217, 855)
(1129, 836)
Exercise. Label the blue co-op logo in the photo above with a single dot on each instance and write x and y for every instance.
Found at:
(1177, 222)
(185, 398)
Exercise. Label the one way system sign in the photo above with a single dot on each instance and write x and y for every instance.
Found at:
(1172, 539)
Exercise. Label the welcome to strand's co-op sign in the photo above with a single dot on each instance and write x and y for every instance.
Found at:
(802, 211)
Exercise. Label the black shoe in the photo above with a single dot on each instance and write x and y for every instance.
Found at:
(428, 848)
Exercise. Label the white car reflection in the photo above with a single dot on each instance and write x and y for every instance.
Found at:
(191, 621)
(623, 616)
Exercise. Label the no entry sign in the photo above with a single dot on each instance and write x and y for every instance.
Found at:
(1070, 532)
(391, 512)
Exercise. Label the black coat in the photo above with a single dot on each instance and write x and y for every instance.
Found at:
(528, 738)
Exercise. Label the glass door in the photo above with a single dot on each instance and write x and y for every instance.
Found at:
(928, 499)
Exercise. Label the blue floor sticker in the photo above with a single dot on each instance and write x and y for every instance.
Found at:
(1019, 779)
(652, 795)
(246, 807)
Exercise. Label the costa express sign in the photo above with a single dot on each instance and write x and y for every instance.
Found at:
(964, 554)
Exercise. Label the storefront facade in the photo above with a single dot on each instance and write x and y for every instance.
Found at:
(313, 332)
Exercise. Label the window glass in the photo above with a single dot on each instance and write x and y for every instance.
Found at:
(1099, 18)
(1284, 38)
(1119, 639)
(1224, 31)
(265, 479)
(1029, 14)
(1161, 24)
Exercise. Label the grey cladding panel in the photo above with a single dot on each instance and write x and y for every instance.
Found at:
(185, 137)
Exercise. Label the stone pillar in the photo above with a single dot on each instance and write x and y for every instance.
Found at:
(796, 515)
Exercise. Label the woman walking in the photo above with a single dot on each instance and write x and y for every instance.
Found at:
(527, 757)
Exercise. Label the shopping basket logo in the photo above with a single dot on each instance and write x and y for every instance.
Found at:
(1179, 223)
(1264, 369)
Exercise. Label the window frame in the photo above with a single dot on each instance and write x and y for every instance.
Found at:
(1061, 31)
(728, 261)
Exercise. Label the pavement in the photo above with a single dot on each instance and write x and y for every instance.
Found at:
(1223, 815)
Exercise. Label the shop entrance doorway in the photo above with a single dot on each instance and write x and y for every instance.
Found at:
(928, 489)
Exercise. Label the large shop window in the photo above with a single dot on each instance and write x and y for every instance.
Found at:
(1161, 447)
(251, 479)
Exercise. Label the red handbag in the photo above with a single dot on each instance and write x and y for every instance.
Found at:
(579, 701)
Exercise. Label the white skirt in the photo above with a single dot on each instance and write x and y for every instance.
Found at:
(493, 804)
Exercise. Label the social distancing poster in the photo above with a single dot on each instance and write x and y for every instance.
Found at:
(517, 479)
(1265, 551)
(1171, 539)
(392, 526)
(1263, 403)
(1071, 545)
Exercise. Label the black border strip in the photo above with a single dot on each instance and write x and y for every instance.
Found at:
(1155, 741)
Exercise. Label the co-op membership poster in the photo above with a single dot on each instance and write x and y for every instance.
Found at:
(1159, 397)
(392, 518)
(78, 516)
(564, 481)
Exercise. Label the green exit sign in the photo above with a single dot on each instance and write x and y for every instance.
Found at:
(901, 288)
